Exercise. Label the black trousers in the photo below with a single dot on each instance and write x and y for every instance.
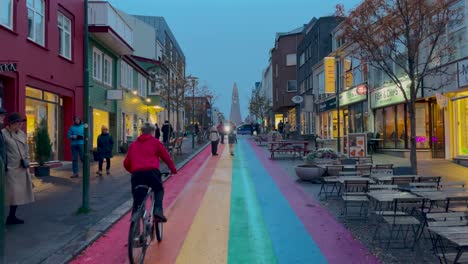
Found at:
(222, 137)
(151, 179)
(214, 147)
(101, 161)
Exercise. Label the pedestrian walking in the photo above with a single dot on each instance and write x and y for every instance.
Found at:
(232, 139)
(76, 135)
(287, 129)
(3, 114)
(105, 145)
(18, 181)
(221, 131)
(157, 133)
(214, 137)
(281, 127)
(166, 130)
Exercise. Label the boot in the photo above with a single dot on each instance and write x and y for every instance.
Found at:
(14, 221)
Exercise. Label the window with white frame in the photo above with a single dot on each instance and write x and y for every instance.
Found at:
(142, 85)
(126, 75)
(302, 59)
(321, 82)
(97, 64)
(36, 24)
(291, 59)
(6, 13)
(64, 26)
(107, 70)
(292, 86)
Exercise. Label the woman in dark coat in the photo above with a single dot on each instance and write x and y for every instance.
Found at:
(157, 133)
(105, 144)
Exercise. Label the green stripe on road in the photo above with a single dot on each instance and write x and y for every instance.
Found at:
(249, 241)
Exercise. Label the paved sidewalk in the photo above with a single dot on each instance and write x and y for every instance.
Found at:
(52, 222)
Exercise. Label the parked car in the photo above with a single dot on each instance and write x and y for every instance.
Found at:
(245, 129)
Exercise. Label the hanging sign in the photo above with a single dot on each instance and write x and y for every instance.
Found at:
(442, 101)
(297, 99)
(463, 73)
(329, 65)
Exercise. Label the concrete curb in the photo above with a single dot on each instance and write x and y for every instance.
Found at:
(81, 241)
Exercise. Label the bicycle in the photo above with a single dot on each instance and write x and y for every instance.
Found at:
(144, 227)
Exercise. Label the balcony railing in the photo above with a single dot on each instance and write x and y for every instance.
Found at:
(103, 14)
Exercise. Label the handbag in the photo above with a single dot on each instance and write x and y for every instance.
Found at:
(24, 163)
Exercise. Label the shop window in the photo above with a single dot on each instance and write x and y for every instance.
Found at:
(36, 24)
(6, 13)
(42, 105)
(401, 127)
(379, 124)
(100, 118)
(390, 133)
(462, 118)
(422, 125)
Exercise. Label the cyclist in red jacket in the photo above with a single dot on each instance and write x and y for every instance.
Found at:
(142, 161)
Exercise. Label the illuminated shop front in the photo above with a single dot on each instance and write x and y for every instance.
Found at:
(44, 105)
(392, 121)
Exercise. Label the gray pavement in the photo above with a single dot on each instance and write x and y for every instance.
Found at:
(364, 230)
(53, 226)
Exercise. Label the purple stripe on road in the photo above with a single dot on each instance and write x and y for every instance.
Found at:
(336, 243)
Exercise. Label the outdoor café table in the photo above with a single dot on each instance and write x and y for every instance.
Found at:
(458, 235)
(389, 178)
(388, 197)
(342, 179)
(288, 146)
(438, 196)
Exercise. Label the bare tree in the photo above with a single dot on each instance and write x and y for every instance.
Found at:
(259, 105)
(407, 35)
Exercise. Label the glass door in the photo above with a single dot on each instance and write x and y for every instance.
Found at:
(438, 132)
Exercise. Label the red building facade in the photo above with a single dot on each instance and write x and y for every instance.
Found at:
(42, 54)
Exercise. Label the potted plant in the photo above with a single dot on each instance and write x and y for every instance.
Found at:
(310, 171)
(43, 149)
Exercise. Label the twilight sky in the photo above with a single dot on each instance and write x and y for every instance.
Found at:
(227, 41)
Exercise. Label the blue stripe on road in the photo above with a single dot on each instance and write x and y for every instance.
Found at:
(291, 241)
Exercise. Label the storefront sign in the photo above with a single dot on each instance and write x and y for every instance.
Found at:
(297, 99)
(351, 96)
(7, 67)
(329, 63)
(357, 145)
(463, 73)
(389, 95)
(361, 89)
(327, 105)
(114, 94)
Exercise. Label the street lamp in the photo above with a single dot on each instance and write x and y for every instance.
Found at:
(193, 81)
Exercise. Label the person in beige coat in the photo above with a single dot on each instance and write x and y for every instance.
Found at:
(19, 187)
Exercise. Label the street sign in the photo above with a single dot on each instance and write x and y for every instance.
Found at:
(297, 99)
(7, 67)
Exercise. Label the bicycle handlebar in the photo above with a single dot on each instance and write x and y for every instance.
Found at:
(165, 174)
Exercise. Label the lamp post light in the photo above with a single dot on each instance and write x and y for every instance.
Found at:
(193, 80)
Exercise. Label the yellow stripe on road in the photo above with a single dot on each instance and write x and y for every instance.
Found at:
(207, 240)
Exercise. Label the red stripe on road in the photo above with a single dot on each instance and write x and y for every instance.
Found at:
(111, 248)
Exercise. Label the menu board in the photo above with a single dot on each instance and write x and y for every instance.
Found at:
(357, 145)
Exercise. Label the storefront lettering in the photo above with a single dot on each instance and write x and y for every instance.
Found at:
(389, 95)
(351, 96)
(7, 67)
(463, 73)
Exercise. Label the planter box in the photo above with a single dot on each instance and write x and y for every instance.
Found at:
(309, 173)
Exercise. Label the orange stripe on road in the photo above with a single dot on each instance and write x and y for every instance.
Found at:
(181, 215)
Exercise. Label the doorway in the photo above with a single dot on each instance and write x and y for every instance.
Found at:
(437, 131)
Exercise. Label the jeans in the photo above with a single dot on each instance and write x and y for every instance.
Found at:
(101, 161)
(151, 179)
(214, 147)
(77, 151)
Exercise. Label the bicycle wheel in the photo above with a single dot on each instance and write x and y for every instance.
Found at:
(159, 230)
(137, 239)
